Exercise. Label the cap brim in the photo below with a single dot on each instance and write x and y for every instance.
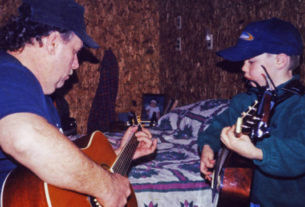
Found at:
(89, 42)
(238, 53)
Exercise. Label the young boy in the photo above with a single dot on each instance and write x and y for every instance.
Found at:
(279, 175)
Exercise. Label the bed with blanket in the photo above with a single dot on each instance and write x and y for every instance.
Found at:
(171, 176)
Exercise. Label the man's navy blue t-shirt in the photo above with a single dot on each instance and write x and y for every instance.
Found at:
(20, 91)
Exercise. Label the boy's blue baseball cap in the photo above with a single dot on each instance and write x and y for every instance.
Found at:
(64, 14)
(273, 36)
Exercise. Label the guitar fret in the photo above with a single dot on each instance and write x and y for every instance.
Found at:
(124, 160)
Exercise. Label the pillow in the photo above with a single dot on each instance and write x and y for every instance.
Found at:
(189, 119)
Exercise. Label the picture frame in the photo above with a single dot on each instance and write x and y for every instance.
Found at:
(152, 103)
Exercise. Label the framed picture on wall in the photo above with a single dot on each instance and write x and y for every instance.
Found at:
(152, 107)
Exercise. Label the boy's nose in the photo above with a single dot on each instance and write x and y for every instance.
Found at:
(245, 66)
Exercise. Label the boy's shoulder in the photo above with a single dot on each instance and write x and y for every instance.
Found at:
(294, 87)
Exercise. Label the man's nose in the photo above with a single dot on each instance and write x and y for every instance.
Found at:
(75, 64)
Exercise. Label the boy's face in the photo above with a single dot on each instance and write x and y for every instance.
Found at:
(253, 70)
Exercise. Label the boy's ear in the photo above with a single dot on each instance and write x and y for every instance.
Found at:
(282, 60)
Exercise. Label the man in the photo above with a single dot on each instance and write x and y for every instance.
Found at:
(279, 176)
(38, 54)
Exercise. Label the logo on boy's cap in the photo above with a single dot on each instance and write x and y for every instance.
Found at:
(246, 36)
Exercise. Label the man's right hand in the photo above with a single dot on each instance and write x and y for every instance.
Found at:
(207, 161)
(117, 192)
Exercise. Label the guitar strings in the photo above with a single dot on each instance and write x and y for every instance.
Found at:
(123, 163)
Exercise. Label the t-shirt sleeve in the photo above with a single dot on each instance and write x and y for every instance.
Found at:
(20, 91)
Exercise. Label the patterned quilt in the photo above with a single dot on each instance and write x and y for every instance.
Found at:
(171, 176)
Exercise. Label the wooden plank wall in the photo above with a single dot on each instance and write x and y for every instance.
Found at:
(131, 30)
(196, 72)
(143, 34)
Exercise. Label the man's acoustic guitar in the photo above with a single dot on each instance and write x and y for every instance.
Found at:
(23, 188)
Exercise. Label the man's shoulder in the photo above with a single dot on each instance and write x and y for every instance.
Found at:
(12, 72)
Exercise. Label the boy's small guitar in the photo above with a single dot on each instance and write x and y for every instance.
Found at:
(232, 175)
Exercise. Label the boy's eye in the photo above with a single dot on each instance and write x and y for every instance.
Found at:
(77, 52)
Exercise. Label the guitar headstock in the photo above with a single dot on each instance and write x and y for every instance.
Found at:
(138, 123)
(135, 120)
(247, 120)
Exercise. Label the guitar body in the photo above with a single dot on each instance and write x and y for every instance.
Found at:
(234, 181)
(24, 188)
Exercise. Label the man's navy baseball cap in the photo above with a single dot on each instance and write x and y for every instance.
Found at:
(272, 36)
(64, 14)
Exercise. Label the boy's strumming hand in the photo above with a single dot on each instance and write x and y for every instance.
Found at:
(207, 162)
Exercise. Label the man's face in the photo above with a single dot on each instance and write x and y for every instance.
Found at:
(253, 70)
(65, 60)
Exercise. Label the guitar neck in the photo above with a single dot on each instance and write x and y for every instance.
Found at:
(124, 159)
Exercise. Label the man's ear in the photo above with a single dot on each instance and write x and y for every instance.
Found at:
(282, 60)
(52, 42)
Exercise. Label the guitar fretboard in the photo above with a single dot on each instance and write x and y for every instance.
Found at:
(124, 159)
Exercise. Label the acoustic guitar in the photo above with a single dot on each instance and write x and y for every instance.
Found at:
(232, 176)
(23, 188)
